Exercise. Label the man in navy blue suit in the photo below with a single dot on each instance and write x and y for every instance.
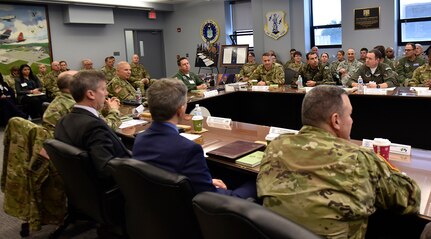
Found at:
(163, 146)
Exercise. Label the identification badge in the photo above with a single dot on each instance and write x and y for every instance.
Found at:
(24, 85)
(416, 64)
(192, 82)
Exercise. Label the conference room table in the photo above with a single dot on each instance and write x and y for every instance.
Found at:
(401, 118)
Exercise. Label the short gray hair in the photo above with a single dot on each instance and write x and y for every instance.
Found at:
(320, 103)
(164, 97)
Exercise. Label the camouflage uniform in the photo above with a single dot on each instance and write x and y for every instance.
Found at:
(321, 75)
(10, 80)
(33, 190)
(333, 69)
(383, 74)
(62, 105)
(247, 69)
(330, 185)
(350, 67)
(42, 80)
(421, 75)
(109, 73)
(293, 66)
(190, 81)
(59, 107)
(273, 76)
(390, 63)
(139, 72)
(121, 89)
(51, 84)
(405, 69)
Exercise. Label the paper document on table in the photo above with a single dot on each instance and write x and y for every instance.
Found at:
(132, 122)
(190, 136)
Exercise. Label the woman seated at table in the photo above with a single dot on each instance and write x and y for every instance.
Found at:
(29, 92)
(8, 109)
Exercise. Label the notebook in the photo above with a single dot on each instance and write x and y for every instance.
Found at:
(252, 159)
(235, 150)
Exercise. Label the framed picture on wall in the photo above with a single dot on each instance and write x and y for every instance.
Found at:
(233, 55)
(367, 18)
(24, 36)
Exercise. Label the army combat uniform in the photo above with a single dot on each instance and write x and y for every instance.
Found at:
(108, 72)
(383, 74)
(330, 185)
(247, 69)
(350, 67)
(405, 69)
(293, 66)
(191, 80)
(333, 69)
(51, 84)
(10, 80)
(63, 104)
(273, 76)
(321, 75)
(122, 89)
(421, 76)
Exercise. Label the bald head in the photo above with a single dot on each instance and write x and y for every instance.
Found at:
(87, 64)
(135, 59)
(64, 80)
(124, 70)
(55, 66)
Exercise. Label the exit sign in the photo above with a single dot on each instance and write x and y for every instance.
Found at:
(152, 14)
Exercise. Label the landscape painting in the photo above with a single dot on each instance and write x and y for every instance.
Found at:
(24, 36)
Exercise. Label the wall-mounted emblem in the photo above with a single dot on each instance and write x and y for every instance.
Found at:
(210, 31)
(275, 26)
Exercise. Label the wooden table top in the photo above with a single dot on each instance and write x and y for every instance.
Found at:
(417, 166)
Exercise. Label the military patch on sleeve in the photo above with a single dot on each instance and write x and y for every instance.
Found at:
(118, 89)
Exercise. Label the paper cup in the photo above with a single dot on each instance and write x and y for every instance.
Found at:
(197, 123)
(382, 147)
(254, 82)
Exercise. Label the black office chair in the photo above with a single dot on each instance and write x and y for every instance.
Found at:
(226, 217)
(87, 195)
(289, 76)
(158, 203)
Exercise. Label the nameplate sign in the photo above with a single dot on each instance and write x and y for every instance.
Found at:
(424, 93)
(138, 110)
(219, 122)
(395, 148)
(210, 93)
(235, 86)
(260, 88)
(374, 91)
(277, 130)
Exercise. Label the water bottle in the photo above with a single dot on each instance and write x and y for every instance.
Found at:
(299, 82)
(360, 85)
(197, 111)
(138, 96)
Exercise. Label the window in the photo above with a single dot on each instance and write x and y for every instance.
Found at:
(414, 21)
(326, 23)
(242, 24)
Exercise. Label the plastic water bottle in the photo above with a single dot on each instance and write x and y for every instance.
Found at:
(197, 111)
(138, 95)
(360, 85)
(299, 82)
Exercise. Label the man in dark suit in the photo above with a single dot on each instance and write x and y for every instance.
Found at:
(83, 128)
(162, 145)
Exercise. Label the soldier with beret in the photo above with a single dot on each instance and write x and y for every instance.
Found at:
(322, 181)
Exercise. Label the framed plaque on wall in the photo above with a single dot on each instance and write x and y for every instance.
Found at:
(367, 18)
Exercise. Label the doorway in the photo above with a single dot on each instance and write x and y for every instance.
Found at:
(148, 44)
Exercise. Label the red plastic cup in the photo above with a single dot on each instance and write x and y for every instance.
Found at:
(382, 147)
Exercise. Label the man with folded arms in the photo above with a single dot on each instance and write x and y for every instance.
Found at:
(322, 181)
(162, 145)
(268, 72)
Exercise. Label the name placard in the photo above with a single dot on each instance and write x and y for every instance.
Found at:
(277, 130)
(395, 148)
(260, 88)
(139, 109)
(219, 122)
(210, 93)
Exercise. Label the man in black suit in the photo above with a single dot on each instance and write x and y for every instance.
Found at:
(83, 128)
